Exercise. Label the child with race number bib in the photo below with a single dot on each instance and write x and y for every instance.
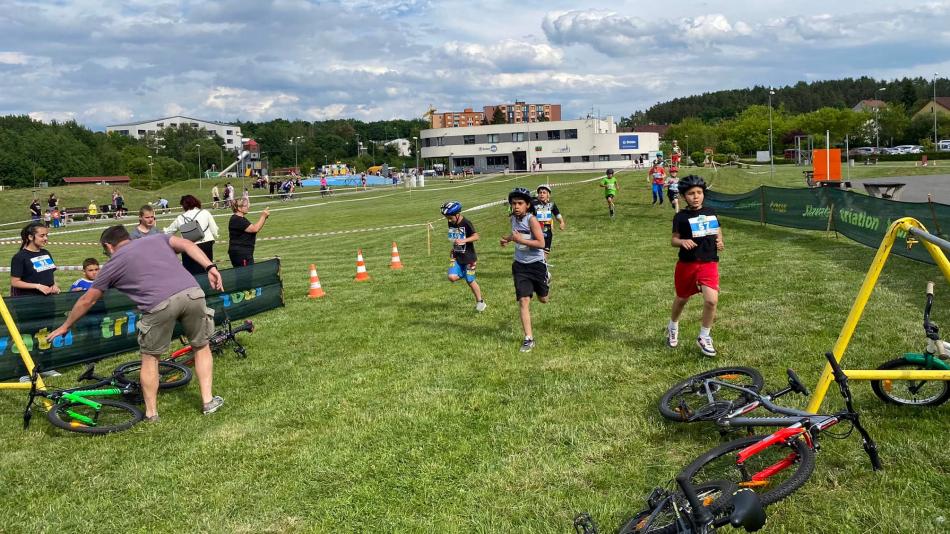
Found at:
(657, 177)
(529, 270)
(463, 236)
(609, 184)
(546, 211)
(697, 235)
(672, 189)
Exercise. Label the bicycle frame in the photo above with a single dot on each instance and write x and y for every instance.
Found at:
(24, 355)
(913, 231)
(734, 419)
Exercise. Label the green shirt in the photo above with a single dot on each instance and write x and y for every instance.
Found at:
(610, 183)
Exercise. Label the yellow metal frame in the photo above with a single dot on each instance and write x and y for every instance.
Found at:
(899, 228)
(24, 354)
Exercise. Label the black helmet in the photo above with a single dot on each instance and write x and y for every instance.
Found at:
(691, 181)
(520, 192)
(609, 172)
(544, 187)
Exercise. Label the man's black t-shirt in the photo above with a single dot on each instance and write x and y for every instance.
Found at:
(702, 226)
(462, 230)
(239, 240)
(34, 268)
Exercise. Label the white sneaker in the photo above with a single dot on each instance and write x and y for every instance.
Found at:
(480, 306)
(706, 346)
(672, 336)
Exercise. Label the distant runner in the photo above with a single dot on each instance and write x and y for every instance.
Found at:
(463, 236)
(609, 184)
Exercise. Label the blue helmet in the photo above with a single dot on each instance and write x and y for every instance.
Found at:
(451, 207)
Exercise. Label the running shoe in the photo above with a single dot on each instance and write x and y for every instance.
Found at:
(672, 336)
(527, 345)
(480, 306)
(212, 405)
(706, 346)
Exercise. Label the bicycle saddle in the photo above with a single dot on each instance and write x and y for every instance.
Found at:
(747, 511)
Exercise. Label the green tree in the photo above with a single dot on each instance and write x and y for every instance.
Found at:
(498, 117)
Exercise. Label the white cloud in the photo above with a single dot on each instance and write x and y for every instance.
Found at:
(14, 58)
(507, 55)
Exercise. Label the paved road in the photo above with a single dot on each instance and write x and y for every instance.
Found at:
(918, 187)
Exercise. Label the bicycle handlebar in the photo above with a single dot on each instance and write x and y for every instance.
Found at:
(930, 289)
(702, 514)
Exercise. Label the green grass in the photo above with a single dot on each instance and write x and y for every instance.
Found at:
(392, 406)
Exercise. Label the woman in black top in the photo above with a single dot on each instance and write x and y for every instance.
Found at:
(52, 200)
(32, 268)
(242, 235)
(35, 210)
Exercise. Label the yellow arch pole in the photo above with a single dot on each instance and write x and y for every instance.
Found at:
(24, 353)
(867, 287)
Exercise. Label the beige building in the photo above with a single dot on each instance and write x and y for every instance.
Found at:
(942, 104)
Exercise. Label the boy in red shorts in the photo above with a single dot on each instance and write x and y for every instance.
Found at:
(697, 235)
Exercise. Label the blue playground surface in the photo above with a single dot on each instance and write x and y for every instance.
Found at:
(347, 180)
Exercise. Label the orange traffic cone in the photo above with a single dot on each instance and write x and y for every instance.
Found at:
(315, 290)
(395, 263)
(361, 274)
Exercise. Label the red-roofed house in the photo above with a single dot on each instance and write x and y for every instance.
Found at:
(869, 104)
(943, 107)
(71, 180)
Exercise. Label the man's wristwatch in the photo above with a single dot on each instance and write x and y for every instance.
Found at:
(209, 267)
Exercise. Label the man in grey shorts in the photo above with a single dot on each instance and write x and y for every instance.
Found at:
(147, 270)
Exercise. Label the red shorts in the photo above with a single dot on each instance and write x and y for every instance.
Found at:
(688, 277)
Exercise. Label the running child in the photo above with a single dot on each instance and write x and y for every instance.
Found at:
(90, 269)
(546, 211)
(697, 235)
(463, 236)
(529, 270)
(609, 184)
(672, 189)
(657, 177)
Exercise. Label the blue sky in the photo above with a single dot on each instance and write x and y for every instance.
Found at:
(111, 62)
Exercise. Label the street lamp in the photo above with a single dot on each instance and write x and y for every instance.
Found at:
(687, 150)
(198, 146)
(771, 156)
(295, 141)
(374, 151)
(150, 177)
(934, 108)
(877, 125)
(416, 139)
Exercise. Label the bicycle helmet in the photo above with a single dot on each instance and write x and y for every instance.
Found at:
(610, 172)
(691, 181)
(520, 192)
(544, 187)
(451, 207)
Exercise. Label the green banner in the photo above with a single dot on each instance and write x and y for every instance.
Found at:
(110, 326)
(862, 218)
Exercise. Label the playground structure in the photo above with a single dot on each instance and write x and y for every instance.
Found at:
(335, 169)
(227, 171)
(914, 232)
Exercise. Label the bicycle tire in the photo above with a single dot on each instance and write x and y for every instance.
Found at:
(710, 466)
(171, 375)
(885, 389)
(719, 490)
(184, 356)
(114, 416)
(674, 401)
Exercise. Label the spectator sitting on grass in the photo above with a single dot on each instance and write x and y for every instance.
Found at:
(90, 269)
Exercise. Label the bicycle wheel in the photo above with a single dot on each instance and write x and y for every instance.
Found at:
(910, 392)
(184, 356)
(113, 416)
(170, 374)
(715, 496)
(772, 485)
(687, 401)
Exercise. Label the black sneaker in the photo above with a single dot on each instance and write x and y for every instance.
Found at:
(527, 345)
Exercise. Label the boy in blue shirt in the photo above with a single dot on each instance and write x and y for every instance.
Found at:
(90, 269)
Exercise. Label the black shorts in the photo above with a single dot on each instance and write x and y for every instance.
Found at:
(548, 237)
(530, 279)
(672, 195)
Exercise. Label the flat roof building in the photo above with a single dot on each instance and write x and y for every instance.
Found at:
(582, 144)
(230, 133)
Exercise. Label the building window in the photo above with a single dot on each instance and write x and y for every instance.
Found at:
(141, 132)
(496, 161)
(554, 135)
(570, 134)
(464, 162)
(194, 124)
(535, 136)
(567, 159)
(493, 138)
(440, 141)
(468, 139)
(427, 142)
(226, 132)
(625, 157)
(585, 158)
(230, 141)
(517, 137)
(603, 157)
(160, 125)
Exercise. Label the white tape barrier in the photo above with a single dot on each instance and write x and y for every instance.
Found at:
(58, 268)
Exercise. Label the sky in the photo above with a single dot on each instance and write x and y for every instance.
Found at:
(111, 62)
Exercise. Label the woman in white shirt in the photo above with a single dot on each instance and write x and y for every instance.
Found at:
(191, 211)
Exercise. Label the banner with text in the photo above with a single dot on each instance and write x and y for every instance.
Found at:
(110, 326)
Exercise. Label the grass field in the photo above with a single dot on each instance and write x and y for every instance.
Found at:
(393, 406)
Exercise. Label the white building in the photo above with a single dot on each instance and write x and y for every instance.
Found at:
(562, 145)
(403, 146)
(229, 132)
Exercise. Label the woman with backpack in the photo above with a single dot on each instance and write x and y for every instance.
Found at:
(198, 226)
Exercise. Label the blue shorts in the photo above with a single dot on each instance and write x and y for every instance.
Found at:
(466, 271)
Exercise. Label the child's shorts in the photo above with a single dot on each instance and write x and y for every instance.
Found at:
(530, 279)
(466, 271)
(689, 276)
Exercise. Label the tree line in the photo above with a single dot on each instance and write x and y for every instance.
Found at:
(32, 151)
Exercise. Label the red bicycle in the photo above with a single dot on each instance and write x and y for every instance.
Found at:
(218, 341)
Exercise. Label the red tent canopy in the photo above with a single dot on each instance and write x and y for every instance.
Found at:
(96, 179)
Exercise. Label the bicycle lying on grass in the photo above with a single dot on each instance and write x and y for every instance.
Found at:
(693, 509)
(776, 465)
(936, 356)
(82, 408)
(218, 341)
